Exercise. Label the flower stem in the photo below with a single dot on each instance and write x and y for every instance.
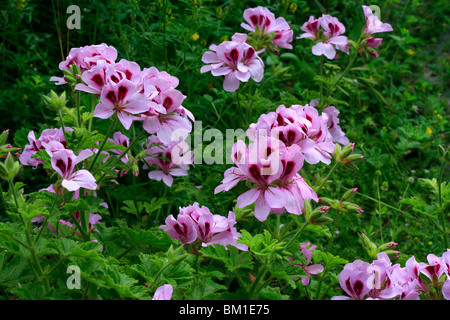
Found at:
(442, 214)
(111, 128)
(62, 123)
(327, 177)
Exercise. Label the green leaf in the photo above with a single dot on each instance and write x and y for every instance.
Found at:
(233, 258)
(328, 259)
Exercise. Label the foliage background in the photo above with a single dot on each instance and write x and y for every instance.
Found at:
(395, 108)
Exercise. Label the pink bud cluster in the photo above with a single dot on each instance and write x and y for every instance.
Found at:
(380, 280)
(198, 223)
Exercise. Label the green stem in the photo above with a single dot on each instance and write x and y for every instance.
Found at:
(379, 208)
(44, 224)
(319, 285)
(132, 144)
(296, 235)
(261, 275)
(327, 177)
(62, 123)
(111, 128)
(441, 211)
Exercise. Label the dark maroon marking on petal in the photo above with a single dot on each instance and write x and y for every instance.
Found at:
(348, 285)
(61, 165)
(433, 269)
(261, 20)
(178, 229)
(278, 35)
(249, 54)
(268, 151)
(280, 120)
(128, 74)
(115, 79)
(35, 147)
(308, 117)
(359, 286)
(122, 93)
(111, 96)
(254, 172)
(288, 168)
(95, 54)
(69, 163)
(234, 54)
(254, 20)
(291, 136)
(168, 102)
(207, 227)
(77, 215)
(331, 27)
(281, 137)
(97, 79)
(267, 23)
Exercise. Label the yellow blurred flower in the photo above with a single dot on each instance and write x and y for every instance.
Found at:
(429, 131)
(195, 36)
(411, 52)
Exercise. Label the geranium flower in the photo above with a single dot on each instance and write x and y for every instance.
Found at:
(262, 21)
(64, 162)
(121, 98)
(326, 39)
(235, 60)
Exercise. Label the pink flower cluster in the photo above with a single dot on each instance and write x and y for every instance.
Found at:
(281, 141)
(62, 160)
(169, 160)
(326, 33)
(271, 169)
(310, 269)
(374, 25)
(262, 21)
(315, 134)
(194, 222)
(380, 280)
(132, 94)
(238, 61)
(235, 60)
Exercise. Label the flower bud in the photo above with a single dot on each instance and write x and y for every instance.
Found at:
(55, 102)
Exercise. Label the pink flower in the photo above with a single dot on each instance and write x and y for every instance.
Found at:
(261, 20)
(85, 58)
(163, 293)
(235, 60)
(123, 99)
(194, 222)
(303, 126)
(373, 23)
(327, 40)
(64, 161)
(172, 166)
(271, 168)
(50, 140)
(182, 228)
(309, 269)
(120, 139)
(333, 125)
